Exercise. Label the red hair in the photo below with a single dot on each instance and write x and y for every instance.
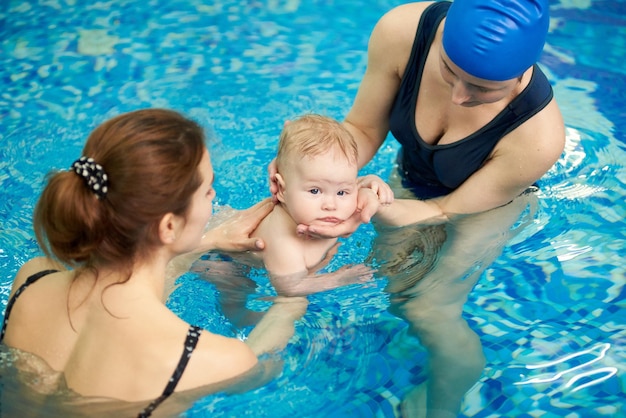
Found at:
(151, 158)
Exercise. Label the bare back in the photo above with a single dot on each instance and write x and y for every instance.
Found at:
(109, 352)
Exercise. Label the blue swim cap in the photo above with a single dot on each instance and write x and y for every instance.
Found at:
(495, 40)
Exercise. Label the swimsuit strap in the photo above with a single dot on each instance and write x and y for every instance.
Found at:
(32, 279)
(190, 344)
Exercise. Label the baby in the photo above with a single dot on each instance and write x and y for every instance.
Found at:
(317, 179)
(317, 183)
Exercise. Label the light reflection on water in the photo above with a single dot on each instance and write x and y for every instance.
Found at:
(548, 377)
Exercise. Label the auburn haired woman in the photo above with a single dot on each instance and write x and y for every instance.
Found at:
(93, 308)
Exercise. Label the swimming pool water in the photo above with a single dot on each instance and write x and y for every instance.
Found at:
(548, 311)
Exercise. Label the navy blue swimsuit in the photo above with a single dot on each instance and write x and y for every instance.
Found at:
(190, 344)
(434, 170)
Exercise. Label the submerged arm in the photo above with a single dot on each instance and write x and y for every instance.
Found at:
(302, 284)
(277, 326)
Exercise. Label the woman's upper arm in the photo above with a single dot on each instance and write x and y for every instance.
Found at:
(217, 358)
(389, 49)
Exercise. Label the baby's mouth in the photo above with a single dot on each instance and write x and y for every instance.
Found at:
(331, 220)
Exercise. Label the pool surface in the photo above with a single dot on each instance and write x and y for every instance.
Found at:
(518, 313)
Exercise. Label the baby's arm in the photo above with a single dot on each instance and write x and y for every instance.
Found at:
(277, 326)
(304, 283)
(292, 261)
(290, 275)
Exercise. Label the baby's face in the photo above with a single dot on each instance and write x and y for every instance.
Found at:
(322, 188)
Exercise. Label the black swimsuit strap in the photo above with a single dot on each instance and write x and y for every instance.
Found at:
(190, 344)
(32, 279)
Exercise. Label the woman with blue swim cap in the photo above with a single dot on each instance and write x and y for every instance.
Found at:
(458, 86)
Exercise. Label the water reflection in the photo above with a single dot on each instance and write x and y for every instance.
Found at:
(431, 268)
(584, 358)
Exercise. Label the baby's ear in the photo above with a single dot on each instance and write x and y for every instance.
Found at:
(280, 182)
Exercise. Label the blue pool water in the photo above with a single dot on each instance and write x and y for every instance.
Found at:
(542, 304)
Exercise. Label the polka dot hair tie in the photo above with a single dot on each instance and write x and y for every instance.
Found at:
(93, 175)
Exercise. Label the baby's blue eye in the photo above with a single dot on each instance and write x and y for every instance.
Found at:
(315, 191)
(341, 193)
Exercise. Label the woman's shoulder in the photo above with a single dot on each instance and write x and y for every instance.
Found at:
(416, 8)
(394, 33)
(406, 14)
(34, 266)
